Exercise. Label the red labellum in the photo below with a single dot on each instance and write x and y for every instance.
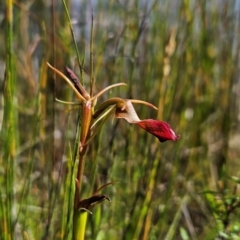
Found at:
(159, 129)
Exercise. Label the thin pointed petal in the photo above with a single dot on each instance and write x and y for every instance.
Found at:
(159, 129)
(143, 102)
(80, 97)
(103, 186)
(67, 103)
(107, 88)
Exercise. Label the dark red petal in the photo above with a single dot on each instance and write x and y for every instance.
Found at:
(159, 129)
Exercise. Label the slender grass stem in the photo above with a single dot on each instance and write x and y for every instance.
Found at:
(75, 42)
(91, 59)
(147, 200)
(177, 217)
(8, 129)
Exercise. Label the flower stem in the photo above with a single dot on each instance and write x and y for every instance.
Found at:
(79, 178)
(79, 225)
(79, 217)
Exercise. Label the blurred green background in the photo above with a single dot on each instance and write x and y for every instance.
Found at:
(183, 57)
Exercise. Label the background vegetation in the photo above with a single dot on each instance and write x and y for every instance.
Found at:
(182, 56)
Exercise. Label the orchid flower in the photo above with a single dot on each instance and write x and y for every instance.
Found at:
(123, 109)
(161, 130)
